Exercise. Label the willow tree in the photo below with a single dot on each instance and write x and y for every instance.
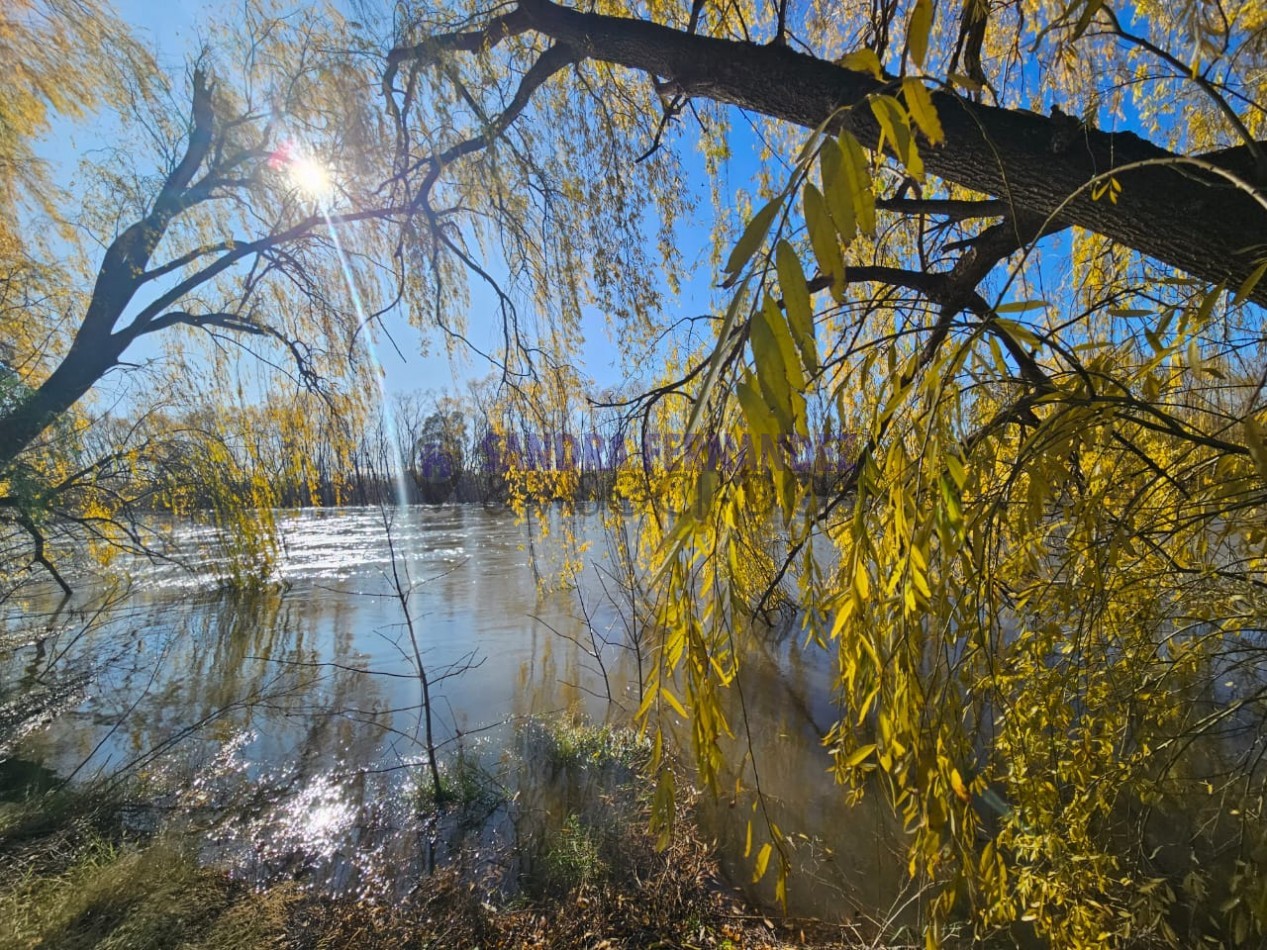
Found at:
(232, 237)
(1016, 248)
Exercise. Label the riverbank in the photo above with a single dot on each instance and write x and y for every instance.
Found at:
(75, 874)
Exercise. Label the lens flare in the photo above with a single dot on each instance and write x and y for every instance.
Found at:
(311, 177)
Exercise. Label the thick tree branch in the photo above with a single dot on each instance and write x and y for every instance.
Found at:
(469, 41)
(185, 259)
(123, 267)
(225, 321)
(553, 60)
(239, 252)
(1169, 210)
(954, 209)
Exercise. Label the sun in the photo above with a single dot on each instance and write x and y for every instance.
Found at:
(310, 176)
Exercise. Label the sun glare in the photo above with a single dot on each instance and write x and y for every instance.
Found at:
(310, 176)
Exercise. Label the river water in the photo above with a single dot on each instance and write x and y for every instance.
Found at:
(283, 725)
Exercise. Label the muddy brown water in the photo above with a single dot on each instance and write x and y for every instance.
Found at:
(282, 726)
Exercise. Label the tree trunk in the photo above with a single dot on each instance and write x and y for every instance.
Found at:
(74, 376)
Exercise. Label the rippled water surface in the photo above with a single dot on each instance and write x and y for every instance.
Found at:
(284, 724)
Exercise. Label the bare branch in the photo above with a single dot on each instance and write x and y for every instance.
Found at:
(38, 555)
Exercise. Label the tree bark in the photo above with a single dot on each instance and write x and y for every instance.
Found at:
(1178, 210)
(74, 376)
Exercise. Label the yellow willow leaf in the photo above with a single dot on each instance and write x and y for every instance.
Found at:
(822, 237)
(918, 29)
(857, 174)
(952, 501)
(1207, 306)
(861, 580)
(1089, 11)
(767, 355)
(648, 700)
(1194, 355)
(763, 861)
(752, 237)
(1257, 447)
(862, 61)
(705, 489)
(922, 110)
(838, 190)
(895, 129)
(859, 755)
(1250, 283)
(674, 646)
(662, 806)
(1018, 331)
(895, 400)
(668, 549)
(796, 303)
(967, 82)
(791, 362)
(673, 701)
(918, 557)
(842, 617)
(1021, 306)
(919, 581)
(779, 326)
(960, 789)
(755, 409)
(747, 848)
(785, 489)
(998, 363)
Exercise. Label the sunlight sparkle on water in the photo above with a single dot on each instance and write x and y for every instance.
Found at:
(314, 822)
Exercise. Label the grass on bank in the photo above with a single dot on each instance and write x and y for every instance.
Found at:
(71, 879)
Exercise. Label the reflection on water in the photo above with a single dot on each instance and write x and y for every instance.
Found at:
(283, 725)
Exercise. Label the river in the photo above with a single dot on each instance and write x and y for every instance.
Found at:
(282, 725)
